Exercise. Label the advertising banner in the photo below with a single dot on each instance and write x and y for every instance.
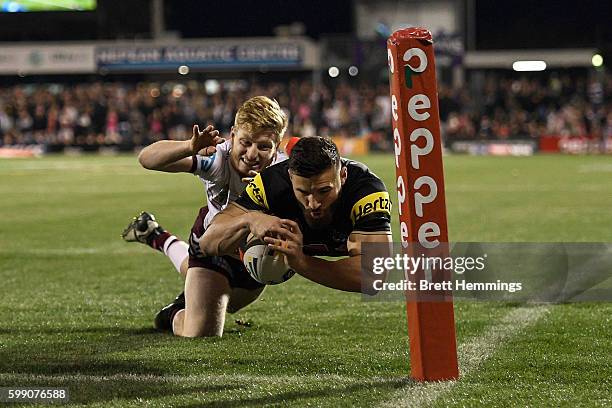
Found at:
(273, 55)
(47, 59)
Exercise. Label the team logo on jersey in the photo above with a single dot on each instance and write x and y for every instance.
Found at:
(370, 204)
(257, 193)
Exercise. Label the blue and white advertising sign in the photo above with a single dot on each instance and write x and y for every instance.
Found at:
(222, 56)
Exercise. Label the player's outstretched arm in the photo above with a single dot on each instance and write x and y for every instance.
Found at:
(174, 156)
(232, 225)
(345, 274)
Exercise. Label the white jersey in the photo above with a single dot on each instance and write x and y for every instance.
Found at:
(222, 182)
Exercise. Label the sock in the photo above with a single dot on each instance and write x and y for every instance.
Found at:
(176, 250)
(160, 239)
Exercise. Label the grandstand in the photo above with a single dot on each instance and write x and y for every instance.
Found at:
(125, 94)
(127, 115)
(82, 91)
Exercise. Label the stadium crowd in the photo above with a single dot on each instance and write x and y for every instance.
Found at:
(130, 114)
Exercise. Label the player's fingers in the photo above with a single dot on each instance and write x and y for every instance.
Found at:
(279, 249)
(196, 130)
(209, 150)
(278, 245)
(272, 242)
(286, 234)
(252, 173)
(292, 225)
(274, 231)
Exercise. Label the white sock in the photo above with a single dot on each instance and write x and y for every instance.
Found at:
(177, 251)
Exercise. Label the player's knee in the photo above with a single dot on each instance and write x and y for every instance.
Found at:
(184, 267)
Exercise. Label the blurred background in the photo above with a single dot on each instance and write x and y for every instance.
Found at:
(108, 76)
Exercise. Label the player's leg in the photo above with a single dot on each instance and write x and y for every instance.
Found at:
(241, 297)
(200, 312)
(146, 230)
(214, 285)
(206, 298)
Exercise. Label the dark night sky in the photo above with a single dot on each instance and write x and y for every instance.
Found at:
(500, 23)
(238, 18)
(543, 23)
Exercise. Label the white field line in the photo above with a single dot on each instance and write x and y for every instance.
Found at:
(518, 188)
(595, 168)
(471, 355)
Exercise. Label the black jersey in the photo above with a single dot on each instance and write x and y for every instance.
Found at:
(363, 205)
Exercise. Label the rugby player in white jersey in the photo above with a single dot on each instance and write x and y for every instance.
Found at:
(224, 167)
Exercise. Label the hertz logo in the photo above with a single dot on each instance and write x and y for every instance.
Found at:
(257, 193)
(370, 204)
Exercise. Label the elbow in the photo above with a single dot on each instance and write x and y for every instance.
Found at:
(369, 290)
(372, 285)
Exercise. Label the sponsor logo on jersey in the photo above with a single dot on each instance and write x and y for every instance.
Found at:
(257, 193)
(370, 204)
(206, 162)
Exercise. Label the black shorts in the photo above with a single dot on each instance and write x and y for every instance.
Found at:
(233, 269)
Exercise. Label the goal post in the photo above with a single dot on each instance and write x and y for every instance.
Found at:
(421, 197)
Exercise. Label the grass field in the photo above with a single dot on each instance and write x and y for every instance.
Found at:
(77, 303)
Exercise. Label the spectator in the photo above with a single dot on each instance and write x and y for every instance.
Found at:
(138, 114)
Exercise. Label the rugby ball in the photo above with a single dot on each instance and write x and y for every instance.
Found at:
(263, 264)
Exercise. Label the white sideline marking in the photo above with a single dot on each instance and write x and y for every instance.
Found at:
(595, 168)
(471, 355)
(518, 188)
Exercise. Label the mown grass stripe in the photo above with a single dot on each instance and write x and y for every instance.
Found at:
(186, 379)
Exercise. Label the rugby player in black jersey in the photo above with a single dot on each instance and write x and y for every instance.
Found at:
(315, 203)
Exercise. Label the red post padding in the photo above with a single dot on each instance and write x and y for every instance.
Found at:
(421, 198)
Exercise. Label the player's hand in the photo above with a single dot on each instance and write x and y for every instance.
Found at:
(204, 142)
(262, 225)
(251, 176)
(289, 241)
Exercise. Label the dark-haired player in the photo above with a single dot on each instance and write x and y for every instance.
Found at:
(315, 203)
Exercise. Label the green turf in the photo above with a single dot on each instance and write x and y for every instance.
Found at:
(77, 302)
